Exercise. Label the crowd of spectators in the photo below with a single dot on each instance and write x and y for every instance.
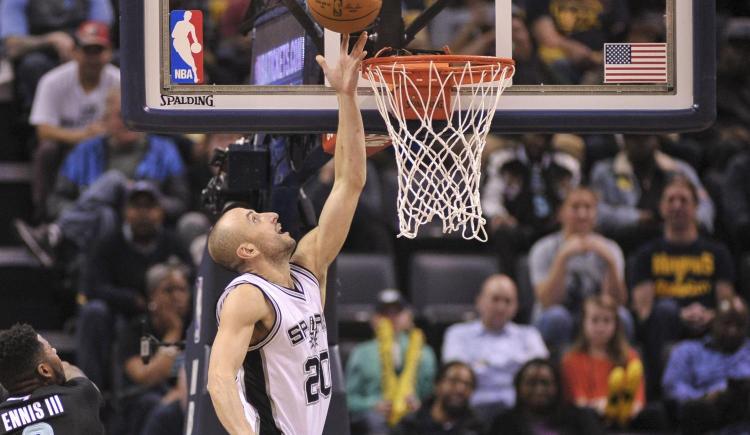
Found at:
(115, 210)
(636, 246)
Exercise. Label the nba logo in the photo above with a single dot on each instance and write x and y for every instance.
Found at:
(186, 46)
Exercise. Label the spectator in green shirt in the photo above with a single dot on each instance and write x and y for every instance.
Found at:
(367, 407)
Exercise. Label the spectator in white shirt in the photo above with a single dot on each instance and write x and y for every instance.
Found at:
(494, 346)
(69, 105)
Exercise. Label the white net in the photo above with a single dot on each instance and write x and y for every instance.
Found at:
(439, 164)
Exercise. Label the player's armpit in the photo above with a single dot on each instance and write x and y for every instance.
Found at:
(305, 257)
(319, 248)
(242, 309)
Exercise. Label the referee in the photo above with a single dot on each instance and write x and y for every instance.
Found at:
(45, 395)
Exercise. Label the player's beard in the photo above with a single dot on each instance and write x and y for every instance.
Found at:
(280, 250)
(289, 245)
(58, 373)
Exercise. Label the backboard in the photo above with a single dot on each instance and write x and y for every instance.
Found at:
(582, 65)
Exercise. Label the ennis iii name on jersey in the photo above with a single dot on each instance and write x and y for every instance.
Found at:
(285, 380)
(68, 409)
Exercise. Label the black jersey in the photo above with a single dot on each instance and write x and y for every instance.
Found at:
(68, 409)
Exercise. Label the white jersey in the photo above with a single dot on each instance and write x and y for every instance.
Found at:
(285, 381)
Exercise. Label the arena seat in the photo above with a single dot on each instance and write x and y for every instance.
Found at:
(360, 278)
(443, 286)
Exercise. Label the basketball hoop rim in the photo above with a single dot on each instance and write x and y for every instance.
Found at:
(440, 176)
(443, 63)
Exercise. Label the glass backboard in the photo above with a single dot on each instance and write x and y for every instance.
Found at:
(582, 65)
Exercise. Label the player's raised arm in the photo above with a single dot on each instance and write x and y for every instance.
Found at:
(242, 309)
(319, 248)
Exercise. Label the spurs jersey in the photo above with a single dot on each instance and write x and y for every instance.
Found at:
(285, 380)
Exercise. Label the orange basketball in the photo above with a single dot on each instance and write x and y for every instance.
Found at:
(344, 16)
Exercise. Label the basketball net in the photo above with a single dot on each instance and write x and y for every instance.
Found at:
(439, 164)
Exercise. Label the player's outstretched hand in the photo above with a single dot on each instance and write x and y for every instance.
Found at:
(344, 76)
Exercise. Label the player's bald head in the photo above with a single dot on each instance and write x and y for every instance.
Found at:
(226, 236)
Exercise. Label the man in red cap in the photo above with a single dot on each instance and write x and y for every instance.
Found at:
(69, 106)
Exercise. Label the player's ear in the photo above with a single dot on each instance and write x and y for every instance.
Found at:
(45, 371)
(247, 251)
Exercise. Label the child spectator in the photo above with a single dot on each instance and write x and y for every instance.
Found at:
(601, 371)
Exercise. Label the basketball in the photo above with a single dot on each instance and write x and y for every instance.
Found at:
(344, 16)
(195, 47)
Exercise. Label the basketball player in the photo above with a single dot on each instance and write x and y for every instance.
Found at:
(45, 395)
(181, 42)
(269, 369)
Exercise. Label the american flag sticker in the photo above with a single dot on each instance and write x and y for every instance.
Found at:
(635, 63)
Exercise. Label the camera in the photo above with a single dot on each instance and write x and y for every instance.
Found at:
(150, 345)
(242, 178)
